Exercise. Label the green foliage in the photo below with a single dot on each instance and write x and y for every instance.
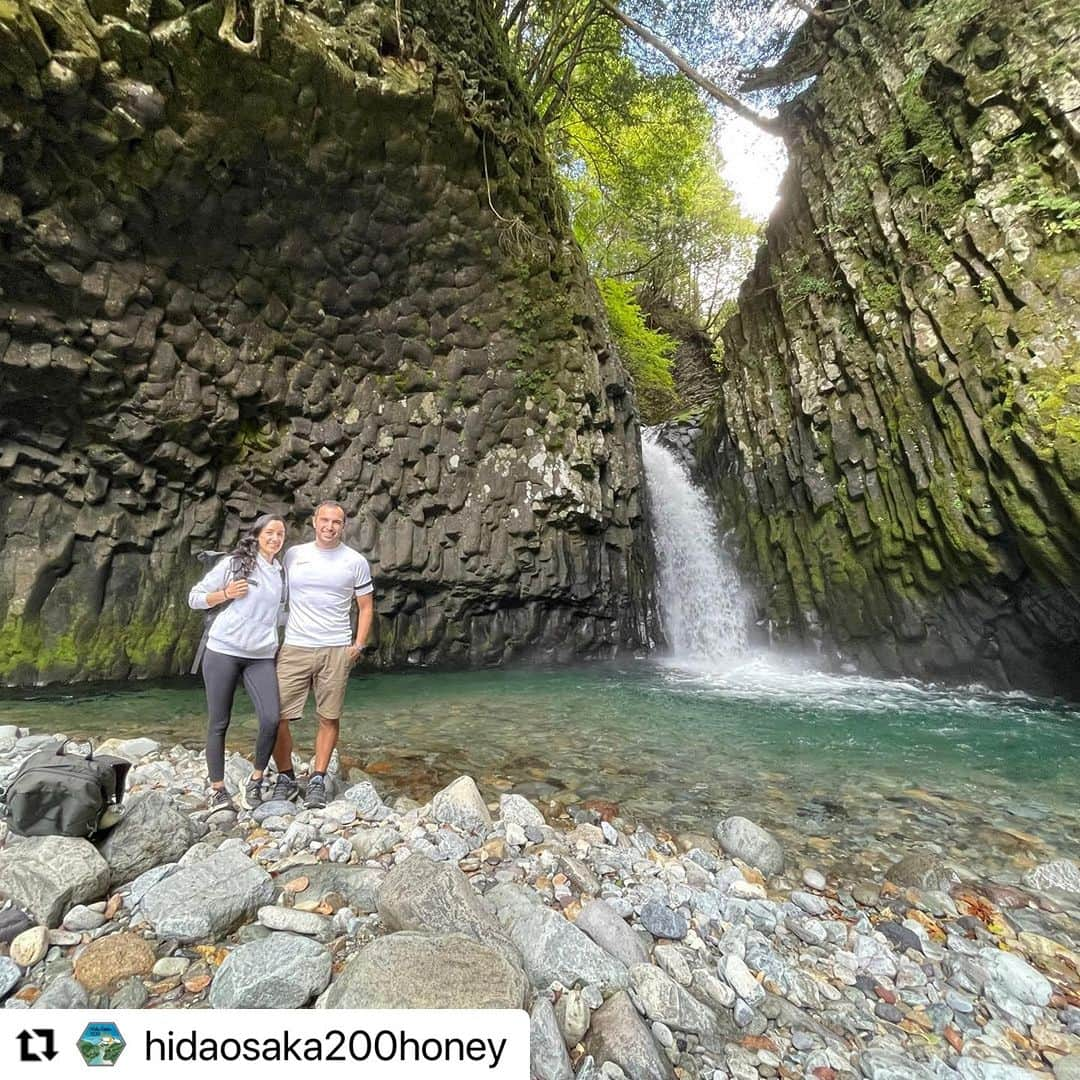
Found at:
(647, 353)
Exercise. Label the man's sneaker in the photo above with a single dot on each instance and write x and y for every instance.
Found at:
(251, 796)
(285, 788)
(219, 800)
(316, 793)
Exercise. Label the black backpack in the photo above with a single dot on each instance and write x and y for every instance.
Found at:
(58, 794)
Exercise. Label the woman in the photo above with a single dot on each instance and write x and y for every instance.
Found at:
(241, 644)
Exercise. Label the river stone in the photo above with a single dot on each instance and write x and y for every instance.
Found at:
(10, 974)
(1067, 1068)
(1014, 985)
(549, 1058)
(13, 922)
(364, 798)
(461, 804)
(814, 879)
(553, 950)
(883, 1064)
(132, 994)
(81, 918)
(289, 920)
(419, 894)
(359, 885)
(371, 843)
(662, 922)
(662, 998)
(205, 901)
(922, 870)
(739, 977)
(283, 808)
(130, 749)
(618, 1034)
(971, 1068)
(408, 970)
(609, 930)
(517, 810)
(65, 993)
(743, 839)
(1060, 874)
(573, 1016)
(30, 946)
(152, 831)
(283, 971)
(111, 958)
(47, 875)
(168, 966)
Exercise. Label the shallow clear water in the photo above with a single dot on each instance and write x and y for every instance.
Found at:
(844, 768)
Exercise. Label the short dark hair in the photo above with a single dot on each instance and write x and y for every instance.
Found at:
(333, 504)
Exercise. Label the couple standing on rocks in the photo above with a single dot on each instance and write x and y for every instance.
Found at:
(320, 579)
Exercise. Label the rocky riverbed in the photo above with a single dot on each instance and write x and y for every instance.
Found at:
(637, 953)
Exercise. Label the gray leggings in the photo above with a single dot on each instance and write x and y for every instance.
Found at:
(221, 673)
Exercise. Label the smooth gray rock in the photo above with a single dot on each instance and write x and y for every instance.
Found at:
(1014, 985)
(974, 1069)
(13, 922)
(282, 971)
(461, 804)
(882, 1064)
(283, 808)
(437, 898)
(552, 949)
(1067, 1068)
(146, 881)
(517, 810)
(208, 899)
(662, 998)
(743, 839)
(65, 993)
(289, 920)
(1061, 874)
(549, 1058)
(601, 922)
(358, 884)
(662, 922)
(152, 832)
(408, 970)
(47, 875)
(617, 1033)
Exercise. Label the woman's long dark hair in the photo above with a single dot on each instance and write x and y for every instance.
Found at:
(247, 549)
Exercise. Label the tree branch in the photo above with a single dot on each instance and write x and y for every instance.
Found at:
(766, 123)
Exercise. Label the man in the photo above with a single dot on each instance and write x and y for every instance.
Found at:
(320, 650)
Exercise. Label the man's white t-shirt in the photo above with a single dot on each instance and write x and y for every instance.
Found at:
(322, 584)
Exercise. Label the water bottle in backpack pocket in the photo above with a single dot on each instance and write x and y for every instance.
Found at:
(58, 794)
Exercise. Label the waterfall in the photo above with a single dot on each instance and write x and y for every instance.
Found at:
(702, 605)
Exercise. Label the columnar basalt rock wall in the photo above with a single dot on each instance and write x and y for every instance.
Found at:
(898, 434)
(256, 254)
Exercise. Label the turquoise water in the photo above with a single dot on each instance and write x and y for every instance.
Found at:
(843, 767)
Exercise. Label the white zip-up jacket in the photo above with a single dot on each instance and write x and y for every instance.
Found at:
(248, 626)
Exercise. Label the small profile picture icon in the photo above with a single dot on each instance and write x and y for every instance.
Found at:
(101, 1043)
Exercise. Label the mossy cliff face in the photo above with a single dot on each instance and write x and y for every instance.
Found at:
(898, 433)
(253, 255)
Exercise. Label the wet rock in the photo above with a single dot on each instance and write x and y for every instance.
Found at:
(743, 839)
(282, 971)
(922, 870)
(408, 970)
(1061, 874)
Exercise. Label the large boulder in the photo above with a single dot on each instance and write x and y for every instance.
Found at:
(152, 831)
(207, 899)
(618, 1034)
(282, 971)
(428, 971)
(743, 839)
(419, 894)
(47, 875)
(552, 949)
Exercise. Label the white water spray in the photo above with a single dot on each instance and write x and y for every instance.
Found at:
(704, 610)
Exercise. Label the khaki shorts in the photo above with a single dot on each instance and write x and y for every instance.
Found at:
(299, 670)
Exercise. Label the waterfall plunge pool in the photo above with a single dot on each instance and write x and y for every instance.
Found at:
(850, 772)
